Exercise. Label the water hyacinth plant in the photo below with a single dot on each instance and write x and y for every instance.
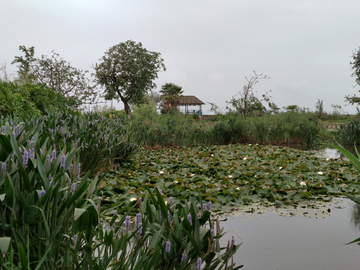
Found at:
(52, 219)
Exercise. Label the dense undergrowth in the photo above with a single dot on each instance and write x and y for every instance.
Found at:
(283, 128)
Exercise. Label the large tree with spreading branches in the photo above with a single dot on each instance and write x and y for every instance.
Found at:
(127, 72)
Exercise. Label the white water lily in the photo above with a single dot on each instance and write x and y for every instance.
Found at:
(327, 159)
(320, 173)
(245, 158)
(280, 168)
(230, 176)
(132, 199)
(175, 182)
(161, 172)
(237, 188)
(302, 183)
(212, 155)
(192, 174)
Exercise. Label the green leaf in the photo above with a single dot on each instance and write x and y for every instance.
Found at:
(10, 194)
(4, 244)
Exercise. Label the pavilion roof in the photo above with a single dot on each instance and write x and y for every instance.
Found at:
(190, 100)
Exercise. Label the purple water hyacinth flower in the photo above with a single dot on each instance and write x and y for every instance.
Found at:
(74, 239)
(78, 168)
(3, 129)
(62, 163)
(25, 158)
(198, 215)
(189, 219)
(139, 231)
(42, 193)
(209, 205)
(183, 257)
(49, 176)
(3, 166)
(204, 207)
(47, 157)
(73, 187)
(53, 155)
(71, 167)
(171, 201)
(11, 122)
(160, 191)
(232, 241)
(212, 233)
(127, 222)
(115, 212)
(138, 218)
(50, 183)
(17, 131)
(168, 216)
(198, 263)
(167, 246)
(28, 142)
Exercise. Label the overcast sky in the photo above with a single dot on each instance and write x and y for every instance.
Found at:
(208, 46)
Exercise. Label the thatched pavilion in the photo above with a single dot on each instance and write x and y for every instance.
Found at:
(190, 101)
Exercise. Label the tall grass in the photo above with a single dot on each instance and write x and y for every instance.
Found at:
(349, 133)
(283, 128)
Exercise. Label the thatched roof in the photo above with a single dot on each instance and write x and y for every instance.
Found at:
(190, 100)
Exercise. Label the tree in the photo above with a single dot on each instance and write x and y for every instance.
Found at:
(246, 102)
(57, 74)
(127, 71)
(355, 65)
(171, 94)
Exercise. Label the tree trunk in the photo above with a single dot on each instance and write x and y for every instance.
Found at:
(127, 107)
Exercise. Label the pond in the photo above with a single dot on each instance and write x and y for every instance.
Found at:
(305, 238)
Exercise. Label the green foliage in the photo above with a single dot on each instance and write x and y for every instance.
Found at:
(15, 100)
(234, 176)
(127, 72)
(246, 102)
(349, 133)
(57, 74)
(52, 218)
(355, 65)
(170, 130)
(171, 94)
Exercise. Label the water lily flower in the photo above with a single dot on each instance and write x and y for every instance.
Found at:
(192, 174)
(132, 199)
(237, 188)
(245, 158)
(230, 176)
(280, 168)
(320, 173)
(302, 183)
(212, 155)
(161, 172)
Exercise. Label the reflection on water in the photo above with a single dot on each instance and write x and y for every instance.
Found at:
(355, 217)
(325, 151)
(274, 242)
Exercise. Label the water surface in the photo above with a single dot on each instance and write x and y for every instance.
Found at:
(287, 239)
